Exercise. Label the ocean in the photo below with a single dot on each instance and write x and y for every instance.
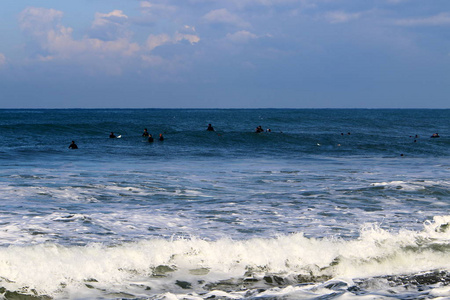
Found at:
(328, 204)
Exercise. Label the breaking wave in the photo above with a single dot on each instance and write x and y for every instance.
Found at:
(198, 268)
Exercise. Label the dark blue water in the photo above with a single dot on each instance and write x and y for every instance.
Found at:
(329, 203)
(295, 133)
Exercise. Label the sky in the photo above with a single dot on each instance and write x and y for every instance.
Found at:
(225, 54)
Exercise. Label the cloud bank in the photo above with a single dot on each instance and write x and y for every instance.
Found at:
(108, 46)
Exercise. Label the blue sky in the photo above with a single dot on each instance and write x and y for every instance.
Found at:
(225, 54)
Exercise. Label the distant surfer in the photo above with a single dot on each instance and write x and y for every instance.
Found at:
(435, 135)
(161, 138)
(112, 136)
(150, 138)
(259, 129)
(145, 132)
(210, 128)
(73, 145)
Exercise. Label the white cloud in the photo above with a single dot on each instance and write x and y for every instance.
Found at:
(155, 41)
(116, 16)
(31, 16)
(155, 11)
(56, 42)
(109, 26)
(191, 38)
(157, 7)
(188, 28)
(334, 17)
(440, 19)
(242, 36)
(38, 21)
(108, 47)
(224, 16)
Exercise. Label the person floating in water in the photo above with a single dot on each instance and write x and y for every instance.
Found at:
(435, 135)
(145, 132)
(210, 128)
(73, 145)
(161, 138)
(112, 136)
(150, 138)
(259, 129)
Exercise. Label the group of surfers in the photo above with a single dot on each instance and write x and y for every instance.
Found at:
(150, 139)
(161, 137)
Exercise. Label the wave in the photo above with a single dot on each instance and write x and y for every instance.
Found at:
(233, 269)
(440, 187)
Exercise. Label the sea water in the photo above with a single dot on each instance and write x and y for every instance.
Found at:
(328, 204)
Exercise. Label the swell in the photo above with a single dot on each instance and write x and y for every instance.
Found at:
(385, 133)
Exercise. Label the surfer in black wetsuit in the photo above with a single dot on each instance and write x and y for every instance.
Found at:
(112, 136)
(210, 128)
(73, 145)
(145, 132)
(161, 138)
(259, 129)
(150, 138)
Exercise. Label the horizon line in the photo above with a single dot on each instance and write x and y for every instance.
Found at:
(209, 108)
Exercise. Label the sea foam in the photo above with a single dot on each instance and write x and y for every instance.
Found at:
(158, 265)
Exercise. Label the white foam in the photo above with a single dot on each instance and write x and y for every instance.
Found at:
(56, 270)
(413, 185)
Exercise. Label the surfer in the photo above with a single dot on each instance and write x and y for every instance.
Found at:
(73, 145)
(161, 138)
(435, 135)
(112, 136)
(150, 138)
(145, 132)
(259, 129)
(210, 128)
